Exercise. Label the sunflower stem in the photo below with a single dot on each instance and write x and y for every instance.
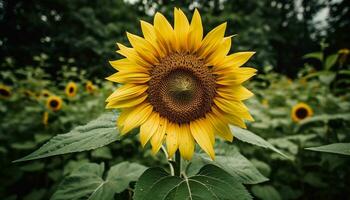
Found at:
(177, 164)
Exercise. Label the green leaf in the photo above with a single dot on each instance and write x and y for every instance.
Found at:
(266, 192)
(251, 138)
(210, 183)
(235, 164)
(95, 134)
(87, 183)
(316, 55)
(338, 148)
(325, 118)
(103, 153)
(122, 174)
(330, 61)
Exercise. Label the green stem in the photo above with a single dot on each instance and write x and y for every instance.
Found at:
(177, 164)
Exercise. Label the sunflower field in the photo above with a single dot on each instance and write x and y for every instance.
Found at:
(174, 100)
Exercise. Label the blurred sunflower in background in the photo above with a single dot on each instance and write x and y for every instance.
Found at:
(71, 89)
(180, 88)
(5, 91)
(90, 87)
(301, 111)
(54, 103)
(45, 93)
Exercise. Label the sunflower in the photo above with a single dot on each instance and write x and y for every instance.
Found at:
(178, 87)
(71, 89)
(45, 93)
(54, 103)
(343, 54)
(90, 87)
(5, 91)
(301, 111)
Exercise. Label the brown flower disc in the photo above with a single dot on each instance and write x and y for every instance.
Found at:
(181, 88)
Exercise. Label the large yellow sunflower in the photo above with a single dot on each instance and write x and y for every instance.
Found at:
(179, 87)
(301, 111)
(71, 89)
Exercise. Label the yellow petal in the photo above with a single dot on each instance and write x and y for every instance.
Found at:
(202, 136)
(230, 106)
(234, 60)
(127, 103)
(181, 28)
(221, 126)
(231, 119)
(148, 128)
(186, 142)
(195, 35)
(129, 77)
(127, 91)
(136, 117)
(133, 56)
(150, 35)
(219, 54)
(212, 41)
(237, 92)
(164, 32)
(235, 76)
(159, 135)
(143, 48)
(171, 138)
(125, 64)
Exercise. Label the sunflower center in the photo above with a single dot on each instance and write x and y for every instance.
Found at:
(4, 93)
(181, 88)
(301, 113)
(71, 90)
(53, 103)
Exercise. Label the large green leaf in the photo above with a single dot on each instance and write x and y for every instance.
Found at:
(338, 148)
(330, 61)
(316, 55)
(211, 183)
(233, 162)
(95, 134)
(249, 137)
(87, 181)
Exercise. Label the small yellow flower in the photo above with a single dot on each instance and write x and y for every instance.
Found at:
(54, 103)
(71, 89)
(344, 51)
(45, 118)
(179, 87)
(90, 87)
(343, 55)
(5, 91)
(301, 111)
(45, 93)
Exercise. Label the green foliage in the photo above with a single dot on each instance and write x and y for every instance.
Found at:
(211, 182)
(249, 137)
(97, 133)
(87, 181)
(337, 148)
(266, 192)
(232, 162)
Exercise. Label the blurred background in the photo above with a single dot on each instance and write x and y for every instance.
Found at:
(54, 58)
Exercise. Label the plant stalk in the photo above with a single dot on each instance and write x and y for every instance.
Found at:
(177, 164)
